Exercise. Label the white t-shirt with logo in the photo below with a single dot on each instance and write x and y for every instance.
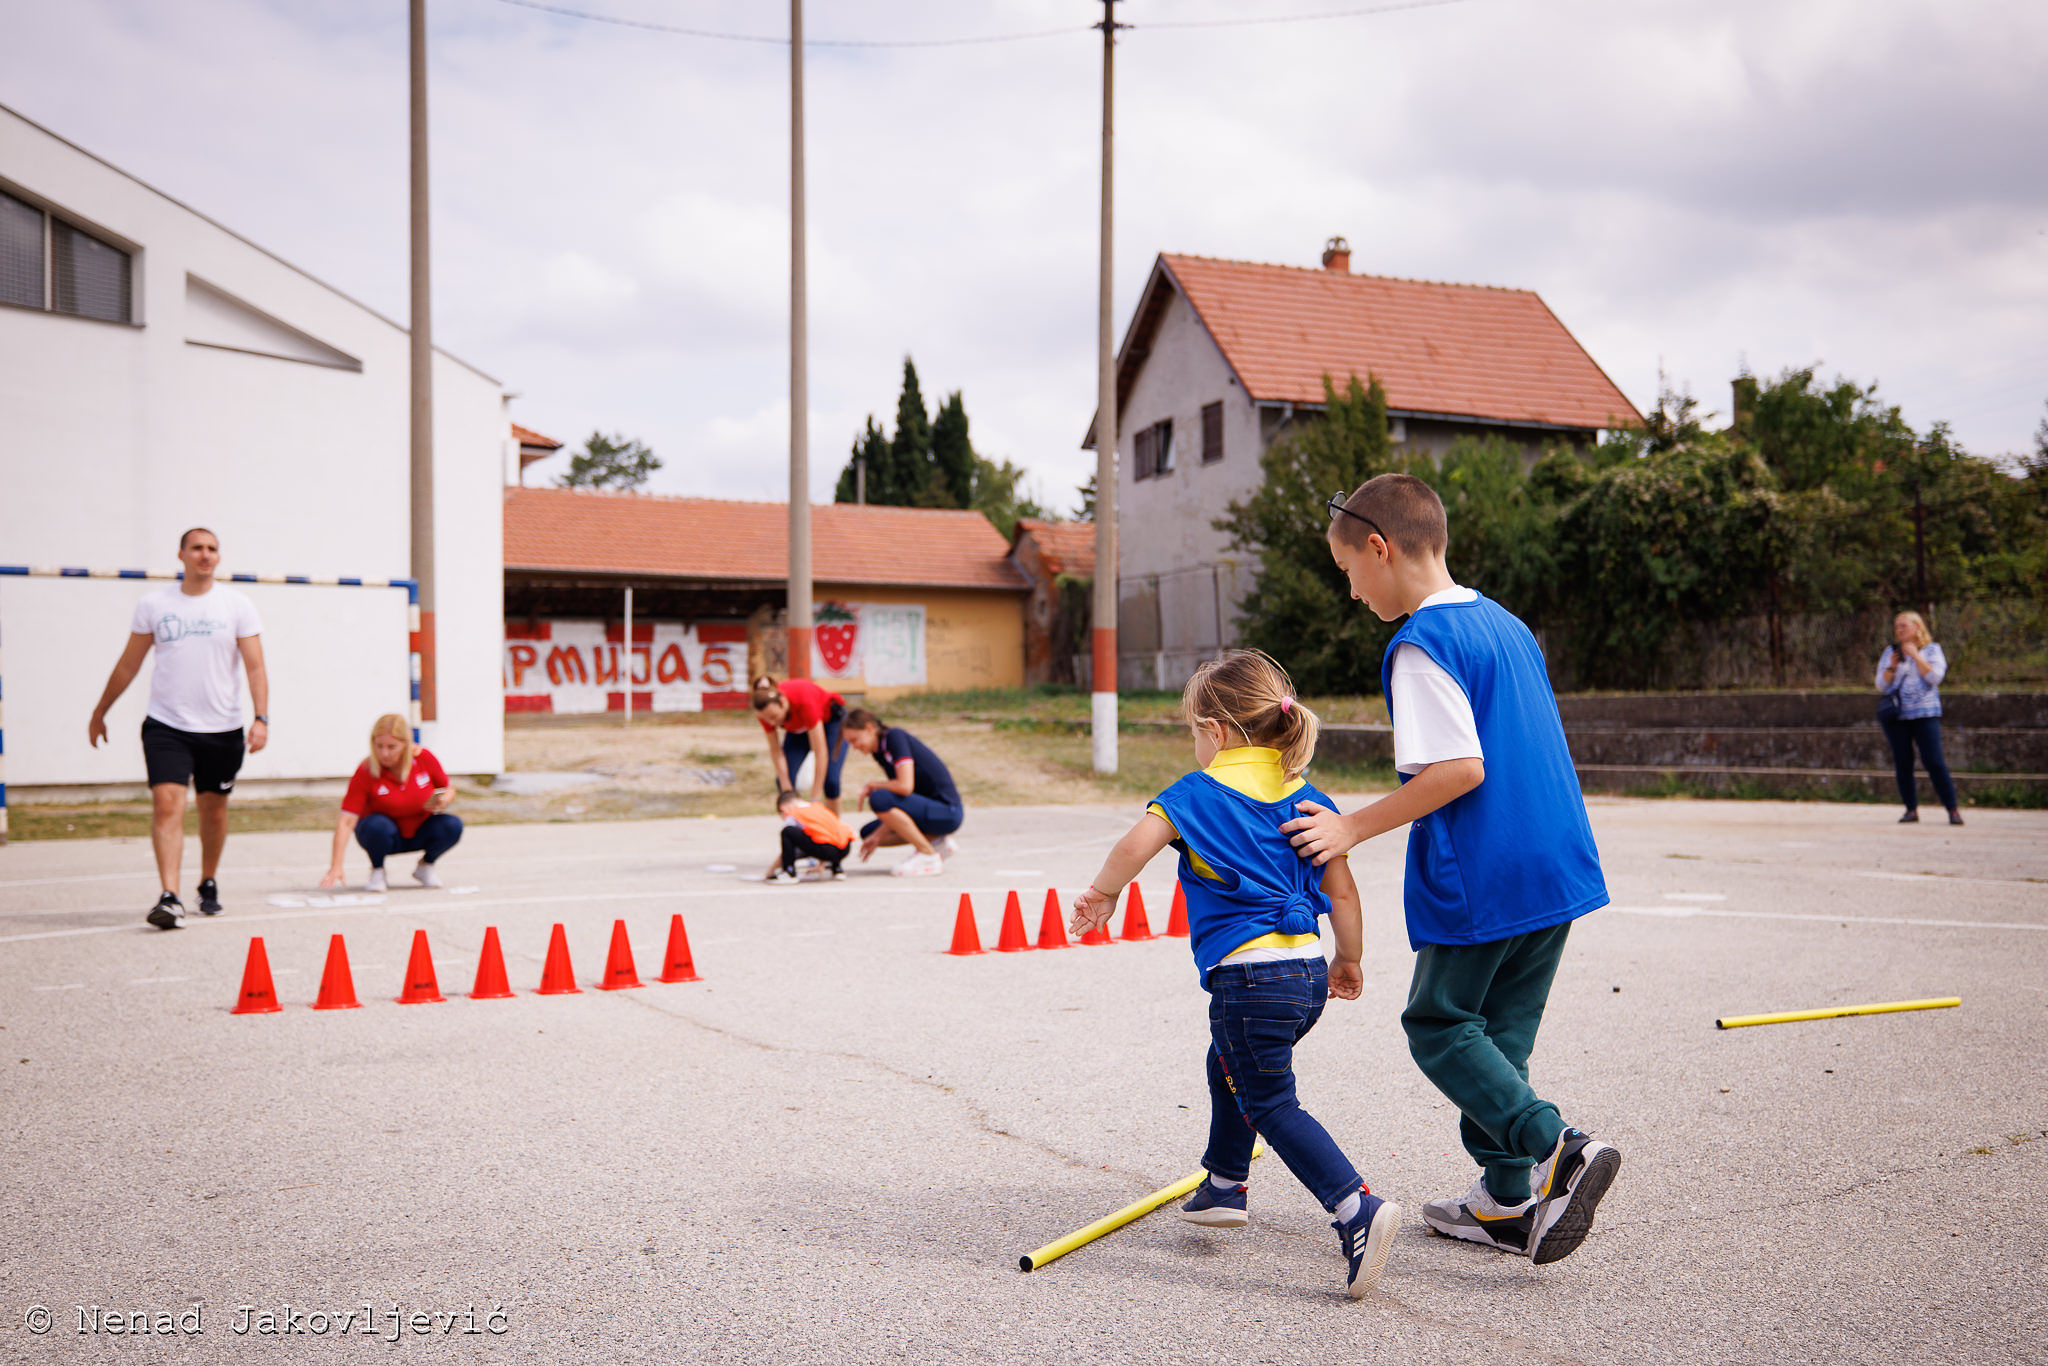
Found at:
(197, 683)
(1433, 719)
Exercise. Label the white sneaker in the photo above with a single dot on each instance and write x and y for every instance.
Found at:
(783, 876)
(947, 846)
(425, 875)
(1477, 1217)
(919, 865)
(376, 882)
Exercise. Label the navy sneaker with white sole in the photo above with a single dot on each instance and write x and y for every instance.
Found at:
(1212, 1208)
(1568, 1191)
(168, 913)
(1368, 1240)
(209, 897)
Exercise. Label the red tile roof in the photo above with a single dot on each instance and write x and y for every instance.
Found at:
(528, 437)
(1065, 547)
(712, 539)
(1462, 350)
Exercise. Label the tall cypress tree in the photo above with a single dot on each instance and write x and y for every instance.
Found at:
(911, 449)
(871, 446)
(952, 454)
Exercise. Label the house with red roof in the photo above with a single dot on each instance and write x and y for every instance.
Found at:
(906, 599)
(1046, 554)
(1223, 357)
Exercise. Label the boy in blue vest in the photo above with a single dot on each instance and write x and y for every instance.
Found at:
(1500, 862)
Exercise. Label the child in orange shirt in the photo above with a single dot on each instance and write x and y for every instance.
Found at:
(809, 830)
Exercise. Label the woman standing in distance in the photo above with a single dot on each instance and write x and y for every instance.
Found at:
(1909, 678)
(397, 803)
(808, 717)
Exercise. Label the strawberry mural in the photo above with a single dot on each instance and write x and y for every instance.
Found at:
(837, 633)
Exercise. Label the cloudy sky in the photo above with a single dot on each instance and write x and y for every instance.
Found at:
(1692, 185)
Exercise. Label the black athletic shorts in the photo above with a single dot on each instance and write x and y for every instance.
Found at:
(208, 761)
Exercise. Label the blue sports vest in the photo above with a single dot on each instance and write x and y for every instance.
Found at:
(1263, 886)
(1516, 853)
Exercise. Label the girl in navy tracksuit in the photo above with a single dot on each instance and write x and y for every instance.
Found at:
(1252, 913)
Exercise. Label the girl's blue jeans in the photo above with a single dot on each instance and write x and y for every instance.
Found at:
(1258, 1012)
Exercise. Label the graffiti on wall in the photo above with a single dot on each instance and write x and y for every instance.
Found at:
(585, 666)
(881, 643)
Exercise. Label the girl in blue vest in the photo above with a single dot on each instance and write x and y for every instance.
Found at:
(1252, 912)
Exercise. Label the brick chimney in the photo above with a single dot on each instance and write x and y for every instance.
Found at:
(1337, 256)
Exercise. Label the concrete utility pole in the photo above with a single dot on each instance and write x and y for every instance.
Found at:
(799, 370)
(422, 443)
(1102, 715)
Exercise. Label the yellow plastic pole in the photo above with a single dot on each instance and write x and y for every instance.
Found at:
(1081, 1237)
(1792, 1016)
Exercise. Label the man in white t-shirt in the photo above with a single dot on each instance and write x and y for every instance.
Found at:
(193, 731)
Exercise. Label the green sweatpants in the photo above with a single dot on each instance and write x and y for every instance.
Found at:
(1471, 1021)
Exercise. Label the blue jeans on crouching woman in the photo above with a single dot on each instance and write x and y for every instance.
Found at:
(380, 838)
(1258, 1012)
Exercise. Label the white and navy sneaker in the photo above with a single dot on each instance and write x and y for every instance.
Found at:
(1568, 1189)
(783, 877)
(168, 913)
(209, 897)
(1368, 1239)
(1477, 1217)
(1213, 1208)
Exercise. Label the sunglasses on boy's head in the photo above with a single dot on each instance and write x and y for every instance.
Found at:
(1336, 505)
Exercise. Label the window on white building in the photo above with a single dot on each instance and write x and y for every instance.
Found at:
(50, 264)
(1212, 432)
(1154, 453)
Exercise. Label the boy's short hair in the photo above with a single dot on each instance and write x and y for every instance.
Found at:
(1406, 510)
(785, 797)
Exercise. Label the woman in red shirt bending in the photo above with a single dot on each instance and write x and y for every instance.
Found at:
(397, 803)
(808, 718)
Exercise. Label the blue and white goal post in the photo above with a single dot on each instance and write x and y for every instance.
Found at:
(53, 635)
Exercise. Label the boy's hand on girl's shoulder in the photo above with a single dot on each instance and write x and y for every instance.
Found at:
(1321, 835)
(1091, 910)
(1347, 980)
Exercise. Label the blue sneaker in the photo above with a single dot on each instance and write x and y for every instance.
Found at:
(1213, 1208)
(1368, 1239)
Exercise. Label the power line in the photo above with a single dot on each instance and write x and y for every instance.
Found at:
(776, 40)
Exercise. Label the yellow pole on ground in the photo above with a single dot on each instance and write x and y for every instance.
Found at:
(1792, 1016)
(1081, 1237)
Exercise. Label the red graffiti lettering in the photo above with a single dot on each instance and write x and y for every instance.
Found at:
(643, 662)
(673, 668)
(565, 665)
(607, 659)
(523, 658)
(718, 666)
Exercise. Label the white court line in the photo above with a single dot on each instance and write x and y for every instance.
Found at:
(809, 934)
(1942, 877)
(145, 981)
(1684, 912)
(1695, 896)
(469, 860)
(68, 986)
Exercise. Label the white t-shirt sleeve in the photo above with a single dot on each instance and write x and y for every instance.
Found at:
(143, 623)
(247, 623)
(1433, 719)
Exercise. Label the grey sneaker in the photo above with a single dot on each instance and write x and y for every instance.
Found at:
(1477, 1217)
(376, 882)
(1568, 1190)
(425, 875)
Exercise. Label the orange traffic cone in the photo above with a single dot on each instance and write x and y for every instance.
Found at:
(1052, 926)
(966, 939)
(677, 966)
(618, 965)
(1177, 918)
(337, 984)
(258, 996)
(420, 986)
(1012, 939)
(557, 978)
(1136, 926)
(490, 971)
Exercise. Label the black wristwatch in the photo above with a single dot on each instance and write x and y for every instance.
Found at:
(261, 717)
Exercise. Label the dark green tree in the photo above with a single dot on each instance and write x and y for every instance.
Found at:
(1299, 609)
(609, 462)
(911, 447)
(953, 458)
(872, 447)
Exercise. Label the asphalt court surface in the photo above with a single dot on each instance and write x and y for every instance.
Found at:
(835, 1146)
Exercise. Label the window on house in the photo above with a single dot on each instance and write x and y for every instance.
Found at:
(1212, 432)
(50, 264)
(1154, 451)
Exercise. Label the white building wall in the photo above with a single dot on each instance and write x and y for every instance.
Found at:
(1174, 568)
(115, 438)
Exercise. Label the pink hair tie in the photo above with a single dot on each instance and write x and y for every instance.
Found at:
(1286, 705)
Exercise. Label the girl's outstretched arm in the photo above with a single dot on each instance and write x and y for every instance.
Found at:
(1096, 905)
(1347, 927)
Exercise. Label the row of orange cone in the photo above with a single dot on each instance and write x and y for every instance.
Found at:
(557, 977)
(1052, 925)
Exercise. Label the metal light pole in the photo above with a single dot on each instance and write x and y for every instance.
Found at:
(1102, 715)
(799, 378)
(422, 329)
